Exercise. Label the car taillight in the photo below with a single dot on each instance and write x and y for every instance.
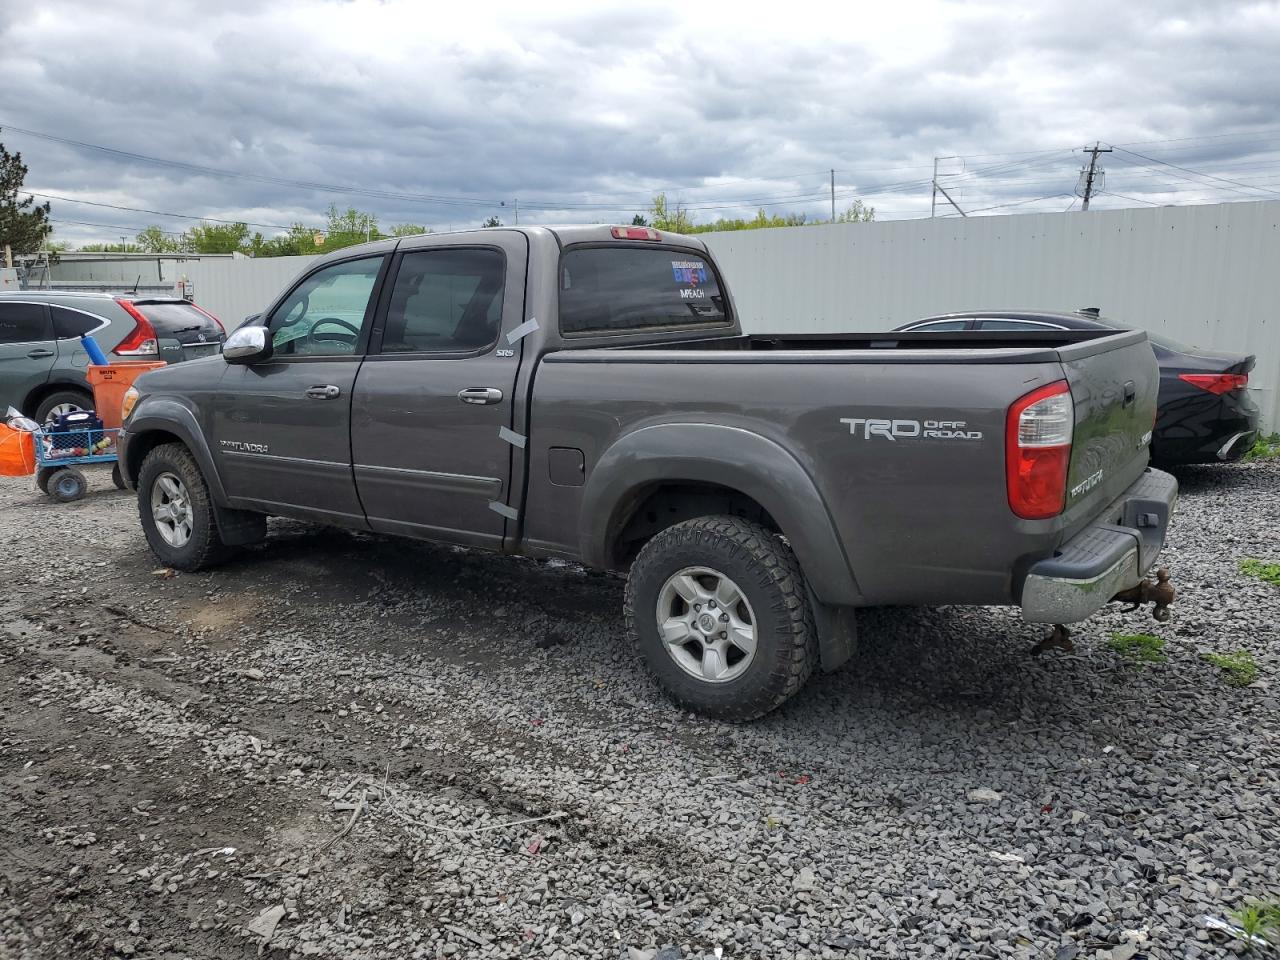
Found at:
(221, 328)
(1038, 451)
(635, 233)
(142, 340)
(1216, 382)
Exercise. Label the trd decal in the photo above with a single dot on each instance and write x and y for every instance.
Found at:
(910, 429)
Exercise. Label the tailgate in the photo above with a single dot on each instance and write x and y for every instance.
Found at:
(1114, 383)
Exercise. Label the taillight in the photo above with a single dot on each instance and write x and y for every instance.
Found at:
(1037, 451)
(1216, 382)
(142, 340)
(221, 328)
(635, 233)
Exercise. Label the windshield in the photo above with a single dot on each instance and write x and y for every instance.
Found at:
(618, 289)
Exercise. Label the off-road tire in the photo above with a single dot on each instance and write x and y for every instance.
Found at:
(769, 575)
(80, 398)
(205, 548)
(67, 484)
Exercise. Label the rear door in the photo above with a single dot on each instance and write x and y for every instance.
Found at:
(27, 351)
(183, 330)
(436, 388)
(282, 428)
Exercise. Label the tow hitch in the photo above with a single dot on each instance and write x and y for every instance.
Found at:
(1160, 593)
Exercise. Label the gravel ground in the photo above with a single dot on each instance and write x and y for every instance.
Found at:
(346, 746)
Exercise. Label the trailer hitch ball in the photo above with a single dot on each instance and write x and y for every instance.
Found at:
(1160, 593)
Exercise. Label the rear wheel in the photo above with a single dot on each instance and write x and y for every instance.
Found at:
(176, 510)
(67, 484)
(43, 476)
(719, 610)
(60, 402)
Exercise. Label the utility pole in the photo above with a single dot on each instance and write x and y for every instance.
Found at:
(933, 201)
(833, 196)
(1090, 175)
(517, 202)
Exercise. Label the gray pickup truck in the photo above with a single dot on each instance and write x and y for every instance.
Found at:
(587, 393)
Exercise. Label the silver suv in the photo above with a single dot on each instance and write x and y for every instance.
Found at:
(42, 363)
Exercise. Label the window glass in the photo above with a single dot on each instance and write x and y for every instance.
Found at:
(72, 324)
(614, 289)
(940, 325)
(1017, 325)
(445, 300)
(23, 322)
(179, 320)
(324, 314)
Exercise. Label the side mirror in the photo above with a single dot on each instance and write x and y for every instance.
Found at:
(247, 345)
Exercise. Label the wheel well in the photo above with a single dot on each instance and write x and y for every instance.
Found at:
(142, 444)
(650, 510)
(36, 396)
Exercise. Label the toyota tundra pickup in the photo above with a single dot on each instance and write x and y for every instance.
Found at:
(588, 393)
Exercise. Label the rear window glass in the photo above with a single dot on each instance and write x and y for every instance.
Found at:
(173, 317)
(621, 289)
(70, 324)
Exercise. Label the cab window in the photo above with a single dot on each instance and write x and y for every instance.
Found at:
(445, 301)
(325, 313)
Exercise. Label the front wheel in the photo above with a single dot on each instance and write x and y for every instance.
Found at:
(177, 511)
(719, 610)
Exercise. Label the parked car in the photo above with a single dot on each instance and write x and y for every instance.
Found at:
(587, 393)
(1205, 414)
(42, 363)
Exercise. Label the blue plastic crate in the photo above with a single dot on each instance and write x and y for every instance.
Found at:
(60, 448)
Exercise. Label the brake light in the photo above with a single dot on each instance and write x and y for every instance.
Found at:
(221, 328)
(1216, 382)
(142, 340)
(635, 233)
(1038, 451)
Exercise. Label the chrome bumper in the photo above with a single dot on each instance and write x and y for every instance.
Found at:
(1104, 558)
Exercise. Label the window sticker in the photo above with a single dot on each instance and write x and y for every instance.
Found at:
(689, 271)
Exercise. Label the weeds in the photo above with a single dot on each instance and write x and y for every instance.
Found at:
(1266, 572)
(1264, 448)
(1139, 647)
(1259, 921)
(1240, 668)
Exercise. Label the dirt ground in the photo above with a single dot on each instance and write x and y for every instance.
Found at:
(348, 746)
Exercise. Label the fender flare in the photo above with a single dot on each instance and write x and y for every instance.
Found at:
(727, 456)
(160, 413)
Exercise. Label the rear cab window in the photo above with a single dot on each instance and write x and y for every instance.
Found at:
(181, 321)
(612, 289)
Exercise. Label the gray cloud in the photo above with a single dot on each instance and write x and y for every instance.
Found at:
(584, 114)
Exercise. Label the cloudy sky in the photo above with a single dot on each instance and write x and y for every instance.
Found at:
(445, 114)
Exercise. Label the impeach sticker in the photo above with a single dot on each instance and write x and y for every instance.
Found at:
(689, 271)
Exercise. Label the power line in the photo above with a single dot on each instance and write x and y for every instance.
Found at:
(158, 213)
(1198, 173)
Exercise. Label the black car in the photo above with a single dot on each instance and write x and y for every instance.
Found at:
(1205, 414)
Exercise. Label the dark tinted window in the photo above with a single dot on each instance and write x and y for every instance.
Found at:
(614, 289)
(941, 325)
(23, 322)
(445, 300)
(178, 320)
(1017, 325)
(71, 324)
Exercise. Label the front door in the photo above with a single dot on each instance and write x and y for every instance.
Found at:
(27, 352)
(436, 388)
(282, 427)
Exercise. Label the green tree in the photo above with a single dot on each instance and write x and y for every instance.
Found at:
(155, 240)
(112, 248)
(24, 224)
(409, 230)
(349, 227)
(492, 222)
(663, 217)
(218, 237)
(858, 212)
(639, 220)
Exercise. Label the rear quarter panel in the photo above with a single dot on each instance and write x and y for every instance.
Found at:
(924, 516)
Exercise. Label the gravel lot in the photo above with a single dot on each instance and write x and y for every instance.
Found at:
(354, 747)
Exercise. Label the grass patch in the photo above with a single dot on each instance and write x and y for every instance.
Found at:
(1266, 572)
(1139, 647)
(1240, 668)
(1264, 448)
(1261, 920)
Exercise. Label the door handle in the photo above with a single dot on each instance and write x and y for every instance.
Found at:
(39, 353)
(480, 395)
(1130, 393)
(323, 391)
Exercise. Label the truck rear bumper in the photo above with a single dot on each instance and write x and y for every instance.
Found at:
(1110, 555)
